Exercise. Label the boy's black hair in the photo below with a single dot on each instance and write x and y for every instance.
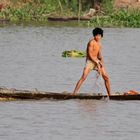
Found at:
(97, 31)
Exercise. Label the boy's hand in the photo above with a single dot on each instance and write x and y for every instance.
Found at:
(100, 63)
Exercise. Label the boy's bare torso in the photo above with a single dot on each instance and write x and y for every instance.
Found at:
(93, 49)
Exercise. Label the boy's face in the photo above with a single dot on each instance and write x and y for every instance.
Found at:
(98, 37)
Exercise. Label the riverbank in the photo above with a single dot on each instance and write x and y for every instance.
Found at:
(123, 18)
(105, 15)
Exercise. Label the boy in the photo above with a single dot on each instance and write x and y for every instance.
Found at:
(94, 61)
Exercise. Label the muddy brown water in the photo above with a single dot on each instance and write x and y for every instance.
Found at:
(30, 57)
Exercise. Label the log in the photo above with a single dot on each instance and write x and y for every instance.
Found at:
(67, 18)
(11, 94)
(82, 18)
(4, 21)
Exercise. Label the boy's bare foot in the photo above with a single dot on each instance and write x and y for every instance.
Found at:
(73, 94)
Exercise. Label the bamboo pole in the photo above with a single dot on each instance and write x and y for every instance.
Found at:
(79, 10)
(60, 6)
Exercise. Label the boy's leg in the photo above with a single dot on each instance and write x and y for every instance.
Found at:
(82, 79)
(106, 80)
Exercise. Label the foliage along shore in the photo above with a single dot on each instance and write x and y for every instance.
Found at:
(40, 10)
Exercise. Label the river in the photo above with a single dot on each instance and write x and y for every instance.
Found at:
(30, 57)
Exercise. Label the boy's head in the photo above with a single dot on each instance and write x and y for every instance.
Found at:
(97, 31)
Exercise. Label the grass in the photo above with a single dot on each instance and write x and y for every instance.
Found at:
(28, 11)
(121, 18)
(39, 10)
(34, 10)
(116, 17)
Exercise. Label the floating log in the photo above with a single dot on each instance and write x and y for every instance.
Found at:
(67, 18)
(37, 95)
(82, 18)
(4, 20)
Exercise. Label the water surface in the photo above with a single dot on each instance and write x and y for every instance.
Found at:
(30, 57)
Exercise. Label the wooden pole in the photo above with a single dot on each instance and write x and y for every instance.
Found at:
(60, 6)
(79, 10)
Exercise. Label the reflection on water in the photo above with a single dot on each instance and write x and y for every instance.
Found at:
(73, 119)
(30, 57)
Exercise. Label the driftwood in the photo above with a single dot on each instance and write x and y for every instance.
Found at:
(84, 18)
(68, 18)
(4, 20)
(8, 94)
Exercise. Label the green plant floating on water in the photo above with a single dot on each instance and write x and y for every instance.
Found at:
(73, 53)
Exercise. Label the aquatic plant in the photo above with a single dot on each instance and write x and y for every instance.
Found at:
(122, 18)
(113, 17)
(39, 10)
(36, 10)
(73, 53)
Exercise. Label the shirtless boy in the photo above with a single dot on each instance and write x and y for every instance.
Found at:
(94, 61)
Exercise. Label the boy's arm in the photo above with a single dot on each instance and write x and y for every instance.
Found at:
(101, 58)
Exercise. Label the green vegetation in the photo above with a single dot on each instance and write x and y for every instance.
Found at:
(32, 10)
(39, 10)
(122, 18)
(73, 53)
(116, 17)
